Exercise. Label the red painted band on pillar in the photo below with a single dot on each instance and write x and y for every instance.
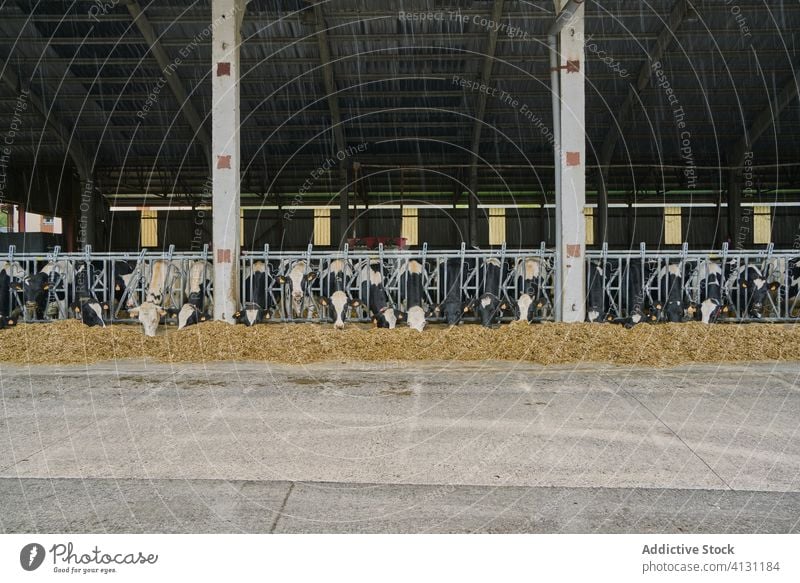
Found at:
(223, 162)
(573, 250)
(573, 158)
(223, 69)
(223, 255)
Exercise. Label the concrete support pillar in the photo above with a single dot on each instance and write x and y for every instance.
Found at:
(226, 158)
(569, 213)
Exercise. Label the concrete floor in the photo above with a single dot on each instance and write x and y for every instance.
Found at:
(450, 447)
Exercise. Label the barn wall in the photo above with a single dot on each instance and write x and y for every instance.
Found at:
(445, 228)
(786, 227)
(124, 231)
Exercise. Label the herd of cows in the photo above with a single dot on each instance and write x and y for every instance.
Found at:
(705, 290)
(450, 290)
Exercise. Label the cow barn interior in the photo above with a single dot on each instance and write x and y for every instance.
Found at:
(407, 122)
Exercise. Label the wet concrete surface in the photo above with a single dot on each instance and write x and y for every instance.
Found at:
(439, 447)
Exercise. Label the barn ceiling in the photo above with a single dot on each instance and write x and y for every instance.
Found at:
(405, 118)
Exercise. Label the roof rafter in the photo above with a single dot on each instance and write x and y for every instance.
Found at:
(327, 76)
(173, 80)
(678, 14)
(763, 121)
(64, 134)
(486, 75)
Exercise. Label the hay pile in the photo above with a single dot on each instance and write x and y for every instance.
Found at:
(71, 342)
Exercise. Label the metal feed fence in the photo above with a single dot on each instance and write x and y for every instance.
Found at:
(392, 264)
(101, 279)
(617, 268)
(619, 271)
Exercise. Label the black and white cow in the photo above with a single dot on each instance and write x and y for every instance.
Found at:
(673, 302)
(12, 276)
(747, 288)
(257, 304)
(596, 301)
(195, 310)
(335, 296)
(450, 282)
(411, 294)
(489, 305)
(711, 282)
(5, 301)
(35, 291)
(123, 273)
(297, 280)
(161, 290)
(383, 314)
(528, 274)
(783, 277)
(635, 274)
(85, 305)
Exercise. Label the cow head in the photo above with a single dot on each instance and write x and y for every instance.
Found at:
(759, 289)
(90, 312)
(526, 307)
(452, 310)
(149, 315)
(252, 314)
(339, 306)
(488, 308)
(387, 318)
(297, 282)
(709, 310)
(189, 314)
(670, 311)
(416, 318)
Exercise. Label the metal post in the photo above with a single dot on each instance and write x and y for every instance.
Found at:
(225, 116)
(735, 231)
(472, 211)
(344, 207)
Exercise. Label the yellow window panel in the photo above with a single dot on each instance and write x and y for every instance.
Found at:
(673, 233)
(410, 226)
(762, 225)
(322, 226)
(149, 228)
(497, 226)
(588, 217)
